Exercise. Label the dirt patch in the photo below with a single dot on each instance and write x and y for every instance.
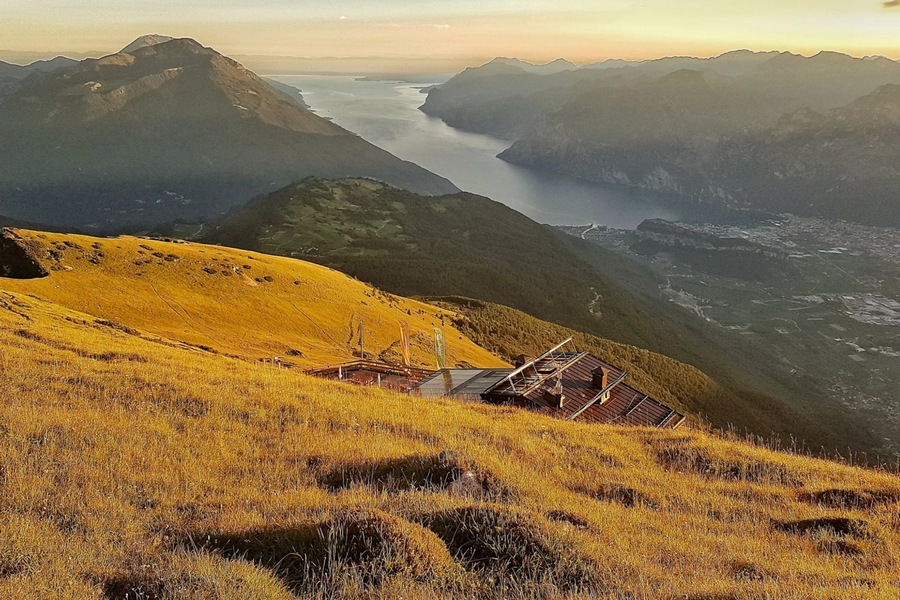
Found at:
(29, 335)
(849, 499)
(14, 565)
(19, 257)
(837, 526)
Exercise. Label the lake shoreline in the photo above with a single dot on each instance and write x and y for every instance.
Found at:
(386, 113)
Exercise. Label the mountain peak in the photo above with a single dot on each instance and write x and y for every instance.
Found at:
(173, 48)
(556, 66)
(183, 129)
(832, 57)
(144, 41)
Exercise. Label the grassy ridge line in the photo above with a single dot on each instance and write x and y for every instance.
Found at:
(135, 468)
(235, 302)
(422, 245)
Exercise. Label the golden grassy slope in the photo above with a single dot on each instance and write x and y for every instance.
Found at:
(234, 302)
(134, 467)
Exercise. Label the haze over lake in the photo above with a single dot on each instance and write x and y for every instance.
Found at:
(386, 114)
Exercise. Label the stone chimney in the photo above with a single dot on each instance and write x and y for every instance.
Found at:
(600, 378)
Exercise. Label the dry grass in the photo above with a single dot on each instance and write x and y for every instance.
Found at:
(235, 302)
(135, 469)
(134, 464)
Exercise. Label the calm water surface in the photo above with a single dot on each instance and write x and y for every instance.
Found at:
(386, 114)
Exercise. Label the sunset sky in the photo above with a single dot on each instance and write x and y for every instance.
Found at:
(537, 30)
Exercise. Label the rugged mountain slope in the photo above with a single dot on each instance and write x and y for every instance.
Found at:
(144, 41)
(651, 134)
(841, 163)
(503, 99)
(455, 245)
(231, 302)
(38, 66)
(461, 244)
(169, 131)
(743, 129)
(11, 75)
(557, 66)
(133, 469)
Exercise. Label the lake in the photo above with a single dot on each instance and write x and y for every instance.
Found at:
(386, 114)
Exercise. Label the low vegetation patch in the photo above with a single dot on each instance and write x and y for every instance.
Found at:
(624, 495)
(366, 545)
(563, 516)
(847, 499)
(442, 472)
(691, 459)
(841, 548)
(513, 544)
(837, 526)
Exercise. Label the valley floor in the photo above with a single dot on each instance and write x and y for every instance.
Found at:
(829, 310)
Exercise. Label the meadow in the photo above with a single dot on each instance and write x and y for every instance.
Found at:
(133, 465)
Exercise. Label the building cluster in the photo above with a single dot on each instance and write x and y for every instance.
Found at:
(562, 383)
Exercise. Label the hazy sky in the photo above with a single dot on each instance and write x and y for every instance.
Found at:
(581, 30)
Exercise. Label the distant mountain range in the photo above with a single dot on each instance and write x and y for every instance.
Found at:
(557, 66)
(10, 74)
(169, 130)
(777, 131)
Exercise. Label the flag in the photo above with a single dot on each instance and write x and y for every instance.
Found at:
(440, 351)
(362, 347)
(404, 342)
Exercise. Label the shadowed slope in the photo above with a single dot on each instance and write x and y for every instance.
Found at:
(167, 131)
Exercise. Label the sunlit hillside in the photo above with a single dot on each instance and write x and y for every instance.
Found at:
(451, 245)
(137, 469)
(234, 302)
